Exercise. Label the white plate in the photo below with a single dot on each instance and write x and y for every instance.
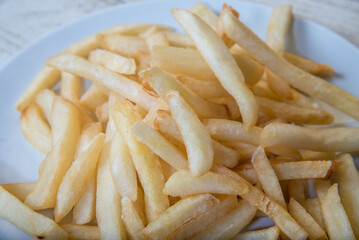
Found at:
(19, 161)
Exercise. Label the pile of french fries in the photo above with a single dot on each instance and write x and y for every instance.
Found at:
(186, 136)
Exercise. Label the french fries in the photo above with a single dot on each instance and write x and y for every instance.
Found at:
(131, 218)
(81, 232)
(19, 190)
(93, 98)
(271, 233)
(70, 87)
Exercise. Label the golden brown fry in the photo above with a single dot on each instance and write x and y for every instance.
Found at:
(306, 220)
(220, 60)
(336, 220)
(178, 214)
(251, 69)
(313, 155)
(19, 190)
(92, 98)
(312, 205)
(85, 209)
(70, 87)
(279, 86)
(307, 64)
(132, 220)
(45, 99)
(146, 162)
(321, 188)
(35, 128)
(348, 180)
(296, 188)
(65, 134)
(46, 78)
(183, 183)
(196, 139)
(303, 81)
(81, 232)
(338, 139)
(219, 29)
(271, 233)
(104, 77)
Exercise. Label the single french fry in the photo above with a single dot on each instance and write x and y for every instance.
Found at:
(182, 183)
(196, 139)
(301, 100)
(321, 188)
(313, 155)
(35, 128)
(81, 232)
(85, 209)
(312, 205)
(303, 81)
(125, 45)
(202, 221)
(306, 220)
(92, 98)
(19, 190)
(70, 87)
(230, 224)
(45, 99)
(133, 223)
(336, 220)
(205, 14)
(279, 86)
(122, 170)
(307, 64)
(46, 78)
(77, 178)
(224, 155)
(102, 112)
(108, 201)
(271, 233)
(227, 71)
(162, 82)
(113, 61)
(267, 176)
(251, 69)
(134, 28)
(178, 214)
(219, 28)
(156, 39)
(159, 145)
(146, 162)
(84, 46)
(104, 77)
(29, 221)
(229, 131)
(338, 139)
(65, 133)
(296, 190)
(291, 113)
(178, 39)
(348, 180)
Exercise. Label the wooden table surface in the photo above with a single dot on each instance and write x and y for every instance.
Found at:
(23, 21)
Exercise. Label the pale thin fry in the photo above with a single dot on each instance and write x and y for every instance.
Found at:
(108, 201)
(251, 69)
(338, 139)
(70, 87)
(302, 100)
(35, 128)
(29, 221)
(146, 162)
(196, 139)
(268, 206)
(113, 61)
(262, 89)
(279, 86)
(303, 81)
(156, 39)
(245, 150)
(102, 112)
(271, 233)
(65, 134)
(46, 78)
(132, 220)
(178, 39)
(227, 71)
(19, 190)
(84, 46)
(92, 98)
(348, 180)
(224, 155)
(307, 64)
(201, 222)
(134, 28)
(230, 224)
(81, 232)
(152, 113)
(248, 174)
(312, 205)
(306, 220)
(267, 176)
(139, 204)
(336, 220)
(321, 188)
(219, 29)
(205, 14)
(127, 46)
(312, 155)
(229, 131)
(77, 178)
(122, 170)
(85, 209)
(291, 113)
(296, 190)
(162, 82)
(102, 76)
(278, 27)
(178, 214)
(45, 99)
(159, 145)
(183, 183)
